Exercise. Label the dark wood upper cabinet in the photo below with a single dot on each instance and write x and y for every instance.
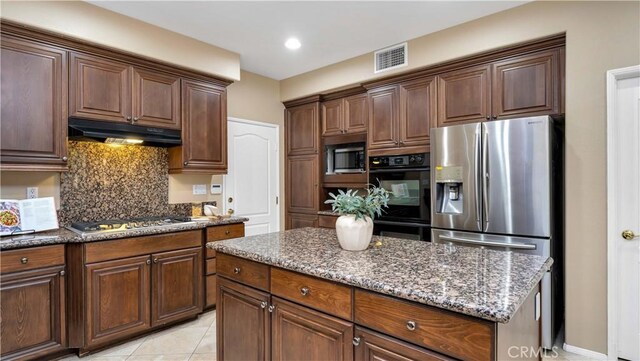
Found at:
(464, 96)
(117, 299)
(526, 85)
(332, 117)
(32, 313)
(417, 111)
(204, 130)
(243, 327)
(177, 285)
(300, 333)
(356, 114)
(302, 127)
(156, 99)
(347, 115)
(374, 346)
(34, 106)
(303, 184)
(99, 89)
(383, 117)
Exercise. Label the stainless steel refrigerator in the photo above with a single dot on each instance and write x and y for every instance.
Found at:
(498, 185)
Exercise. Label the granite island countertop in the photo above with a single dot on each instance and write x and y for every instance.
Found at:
(483, 283)
(63, 235)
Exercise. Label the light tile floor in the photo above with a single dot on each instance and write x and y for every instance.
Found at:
(196, 341)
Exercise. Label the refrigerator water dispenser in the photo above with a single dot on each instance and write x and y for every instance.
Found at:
(449, 190)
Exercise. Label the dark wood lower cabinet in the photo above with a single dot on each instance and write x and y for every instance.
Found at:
(32, 313)
(301, 220)
(300, 333)
(117, 299)
(373, 346)
(177, 290)
(243, 327)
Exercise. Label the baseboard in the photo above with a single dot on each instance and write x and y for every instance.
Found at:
(584, 352)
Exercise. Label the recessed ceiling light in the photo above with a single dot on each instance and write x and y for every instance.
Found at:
(292, 43)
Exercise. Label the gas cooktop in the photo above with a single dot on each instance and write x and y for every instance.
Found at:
(121, 225)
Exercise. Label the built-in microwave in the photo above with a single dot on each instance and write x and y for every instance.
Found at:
(345, 159)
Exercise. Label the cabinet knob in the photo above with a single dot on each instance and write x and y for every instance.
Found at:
(304, 291)
(263, 304)
(129, 117)
(271, 308)
(135, 119)
(236, 270)
(227, 232)
(356, 341)
(495, 117)
(402, 142)
(64, 159)
(149, 261)
(62, 273)
(488, 117)
(155, 260)
(185, 163)
(24, 260)
(411, 325)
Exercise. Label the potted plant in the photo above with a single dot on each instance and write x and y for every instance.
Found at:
(354, 227)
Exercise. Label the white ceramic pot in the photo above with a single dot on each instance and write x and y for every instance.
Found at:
(354, 235)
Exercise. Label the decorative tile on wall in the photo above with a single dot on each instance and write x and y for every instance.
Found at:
(111, 182)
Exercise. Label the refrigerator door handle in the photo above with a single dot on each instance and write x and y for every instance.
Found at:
(489, 243)
(485, 176)
(478, 179)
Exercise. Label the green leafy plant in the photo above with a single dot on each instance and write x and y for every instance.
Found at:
(350, 202)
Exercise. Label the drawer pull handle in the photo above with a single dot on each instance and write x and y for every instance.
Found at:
(411, 325)
(304, 291)
(263, 304)
(356, 341)
(236, 270)
(24, 260)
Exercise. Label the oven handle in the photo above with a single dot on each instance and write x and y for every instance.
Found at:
(345, 150)
(489, 243)
(395, 170)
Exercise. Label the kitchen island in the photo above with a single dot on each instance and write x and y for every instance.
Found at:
(298, 295)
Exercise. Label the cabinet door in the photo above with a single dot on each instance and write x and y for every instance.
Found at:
(204, 126)
(356, 114)
(33, 130)
(32, 316)
(464, 96)
(243, 327)
(156, 99)
(301, 124)
(300, 333)
(417, 111)
(99, 89)
(526, 85)
(372, 346)
(298, 220)
(177, 285)
(383, 118)
(302, 184)
(117, 299)
(332, 117)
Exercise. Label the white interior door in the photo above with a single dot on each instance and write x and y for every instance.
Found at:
(251, 184)
(624, 213)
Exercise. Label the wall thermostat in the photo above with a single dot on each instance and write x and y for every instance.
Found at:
(216, 189)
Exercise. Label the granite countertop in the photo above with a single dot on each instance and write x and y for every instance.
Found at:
(63, 235)
(478, 282)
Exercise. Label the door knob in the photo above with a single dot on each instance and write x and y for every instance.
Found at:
(230, 200)
(230, 211)
(629, 235)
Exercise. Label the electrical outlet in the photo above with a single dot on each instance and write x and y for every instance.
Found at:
(199, 189)
(216, 188)
(32, 192)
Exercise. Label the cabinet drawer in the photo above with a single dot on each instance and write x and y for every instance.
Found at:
(211, 266)
(219, 233)
(446, 332)
(248, 272)
(327, 221)
(332, 298)
(31, 258)
(211, 291)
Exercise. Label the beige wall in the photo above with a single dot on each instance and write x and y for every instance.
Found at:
(13, 185)
(89, 22)
(600, 36)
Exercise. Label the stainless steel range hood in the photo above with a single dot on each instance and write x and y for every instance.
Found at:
(122, 133)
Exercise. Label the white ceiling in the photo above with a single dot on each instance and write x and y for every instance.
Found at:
(329, 31)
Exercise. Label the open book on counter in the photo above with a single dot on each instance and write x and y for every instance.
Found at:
(27, 215)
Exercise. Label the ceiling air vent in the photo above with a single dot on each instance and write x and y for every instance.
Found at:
(390, 58)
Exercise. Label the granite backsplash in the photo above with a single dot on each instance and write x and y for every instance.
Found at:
(111, 182)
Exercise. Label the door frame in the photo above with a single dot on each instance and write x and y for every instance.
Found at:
(224, 177)
(613, 76)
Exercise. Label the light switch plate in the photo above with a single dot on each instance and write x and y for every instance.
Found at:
(216, 189)
(199, 189)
